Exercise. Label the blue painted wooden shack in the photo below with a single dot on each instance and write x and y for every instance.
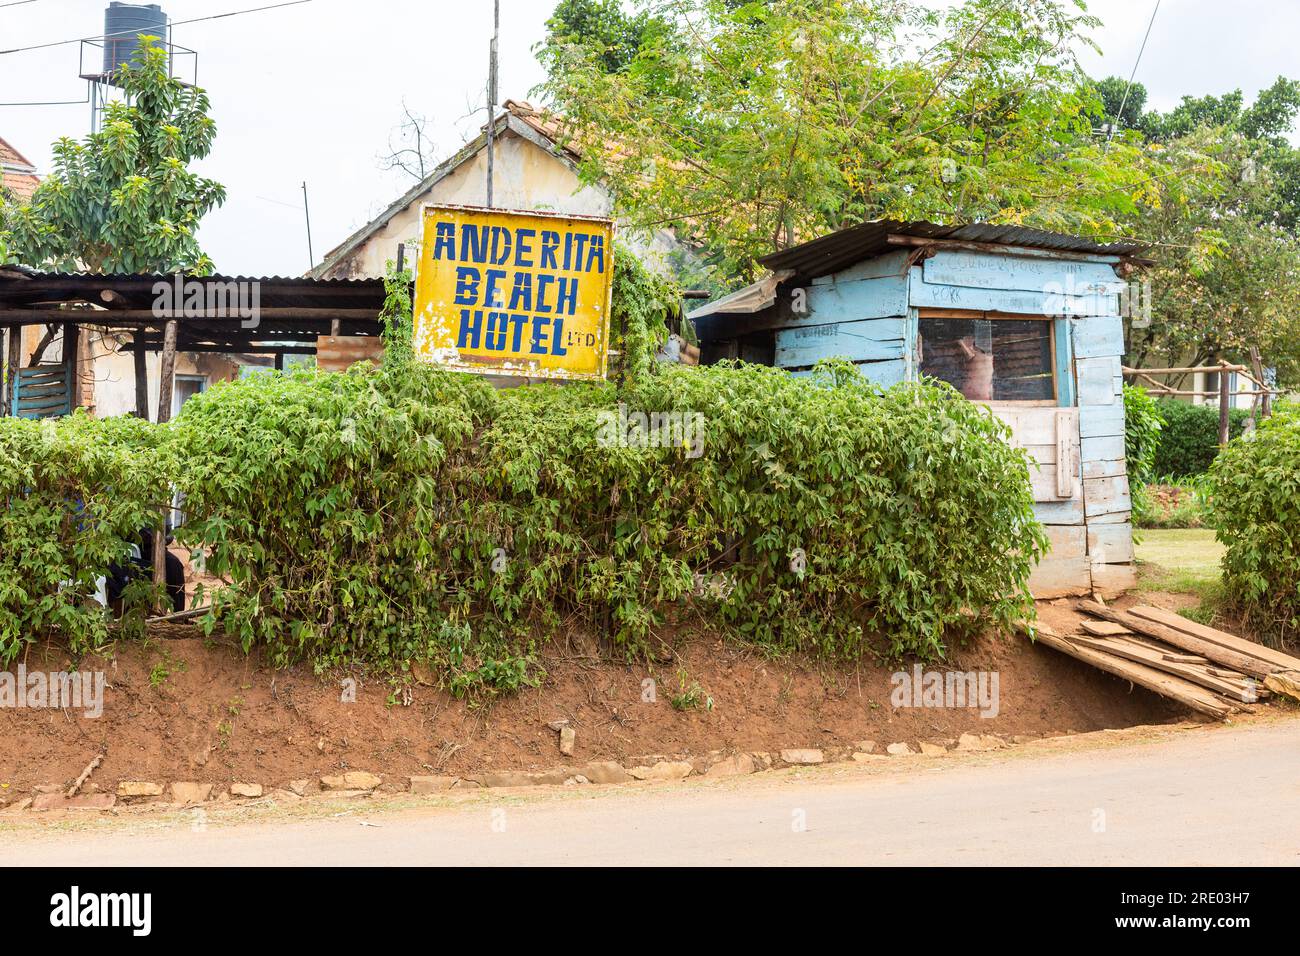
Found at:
(1024, 321)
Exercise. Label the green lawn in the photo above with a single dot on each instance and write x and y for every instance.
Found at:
(1182, 560)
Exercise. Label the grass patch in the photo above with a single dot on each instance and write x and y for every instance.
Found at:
(1183, 561)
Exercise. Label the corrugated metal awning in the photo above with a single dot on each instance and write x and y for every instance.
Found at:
(289, 308)
(830, 254)
(839, 250)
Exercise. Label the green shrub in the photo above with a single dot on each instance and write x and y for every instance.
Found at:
(641, 302)
(76, 493)
(1189, 438)
(320, 497)
(1143, 422)
(410, 513)
(404, 513)
(1255, 510)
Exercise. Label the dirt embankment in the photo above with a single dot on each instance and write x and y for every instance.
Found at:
(186, 709)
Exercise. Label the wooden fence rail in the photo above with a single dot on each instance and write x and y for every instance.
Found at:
(1262, 393)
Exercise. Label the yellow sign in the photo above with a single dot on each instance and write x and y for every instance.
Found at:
(514, 293)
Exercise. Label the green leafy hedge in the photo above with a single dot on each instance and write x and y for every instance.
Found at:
(406, 513)
(76, 492)
(1255, 509)
(1189, 438)
(1144, 422)
(320, 497)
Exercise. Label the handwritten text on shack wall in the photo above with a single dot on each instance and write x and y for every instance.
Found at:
(514, 293)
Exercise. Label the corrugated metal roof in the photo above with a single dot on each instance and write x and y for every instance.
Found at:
(750, 299)
(830, 254)
(29, 273)
(304, 307)
(20, 286)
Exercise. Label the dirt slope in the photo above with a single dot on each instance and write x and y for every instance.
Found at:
(186, 709)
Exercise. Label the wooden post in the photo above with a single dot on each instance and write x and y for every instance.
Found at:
(1225, 400)
(166, 384)
(141, 359)
(160, 562)
(15, 363)
(71, 363)
(1265, 400)
(167, 376)
(13, 333)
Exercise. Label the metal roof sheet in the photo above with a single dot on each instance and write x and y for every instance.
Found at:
(831, 253)
(20, 286)
(291, 307)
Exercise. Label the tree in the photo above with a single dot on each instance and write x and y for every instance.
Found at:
(604, 29)
(1120, 104)
(124, 199)
(754, 126)
(1265, 123)
(1227, 274)
(413, 153)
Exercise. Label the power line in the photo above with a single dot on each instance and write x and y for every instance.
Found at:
(174, 23)
(15, 3)
(1124, 99)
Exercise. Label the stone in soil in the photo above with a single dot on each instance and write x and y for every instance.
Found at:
(139, 788)
(605, 771)
(733, 766)
(246, 790)
(426, 785)
(352, 780)
(568, 737)
(188, 792)
(803, 756)
(519, 778)
(663, 770)
(978, 742)
(83, 801)
(899, 750)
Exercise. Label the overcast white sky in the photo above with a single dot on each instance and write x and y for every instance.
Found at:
(312, 92)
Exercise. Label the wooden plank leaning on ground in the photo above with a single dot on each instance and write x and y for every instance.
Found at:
(1236, 690)
(1214, 636)
(1276, 677)
(1166, 685)
(1104, 628)
(1211, 652)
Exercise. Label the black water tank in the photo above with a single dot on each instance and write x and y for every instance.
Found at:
(123, 24)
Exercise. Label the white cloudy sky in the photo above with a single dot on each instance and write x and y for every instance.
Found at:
(312, 92)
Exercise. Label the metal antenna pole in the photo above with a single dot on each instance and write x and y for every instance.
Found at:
(492, 95)
(311, 257)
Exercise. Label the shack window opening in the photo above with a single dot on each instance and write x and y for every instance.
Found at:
(991, 359)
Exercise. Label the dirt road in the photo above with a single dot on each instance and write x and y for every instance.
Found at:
(1215, 795)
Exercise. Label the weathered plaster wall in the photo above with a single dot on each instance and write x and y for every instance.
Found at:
(525, 176)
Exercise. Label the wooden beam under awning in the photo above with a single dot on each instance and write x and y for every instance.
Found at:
(108, 317)
(1003, 249)
(249, 347)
